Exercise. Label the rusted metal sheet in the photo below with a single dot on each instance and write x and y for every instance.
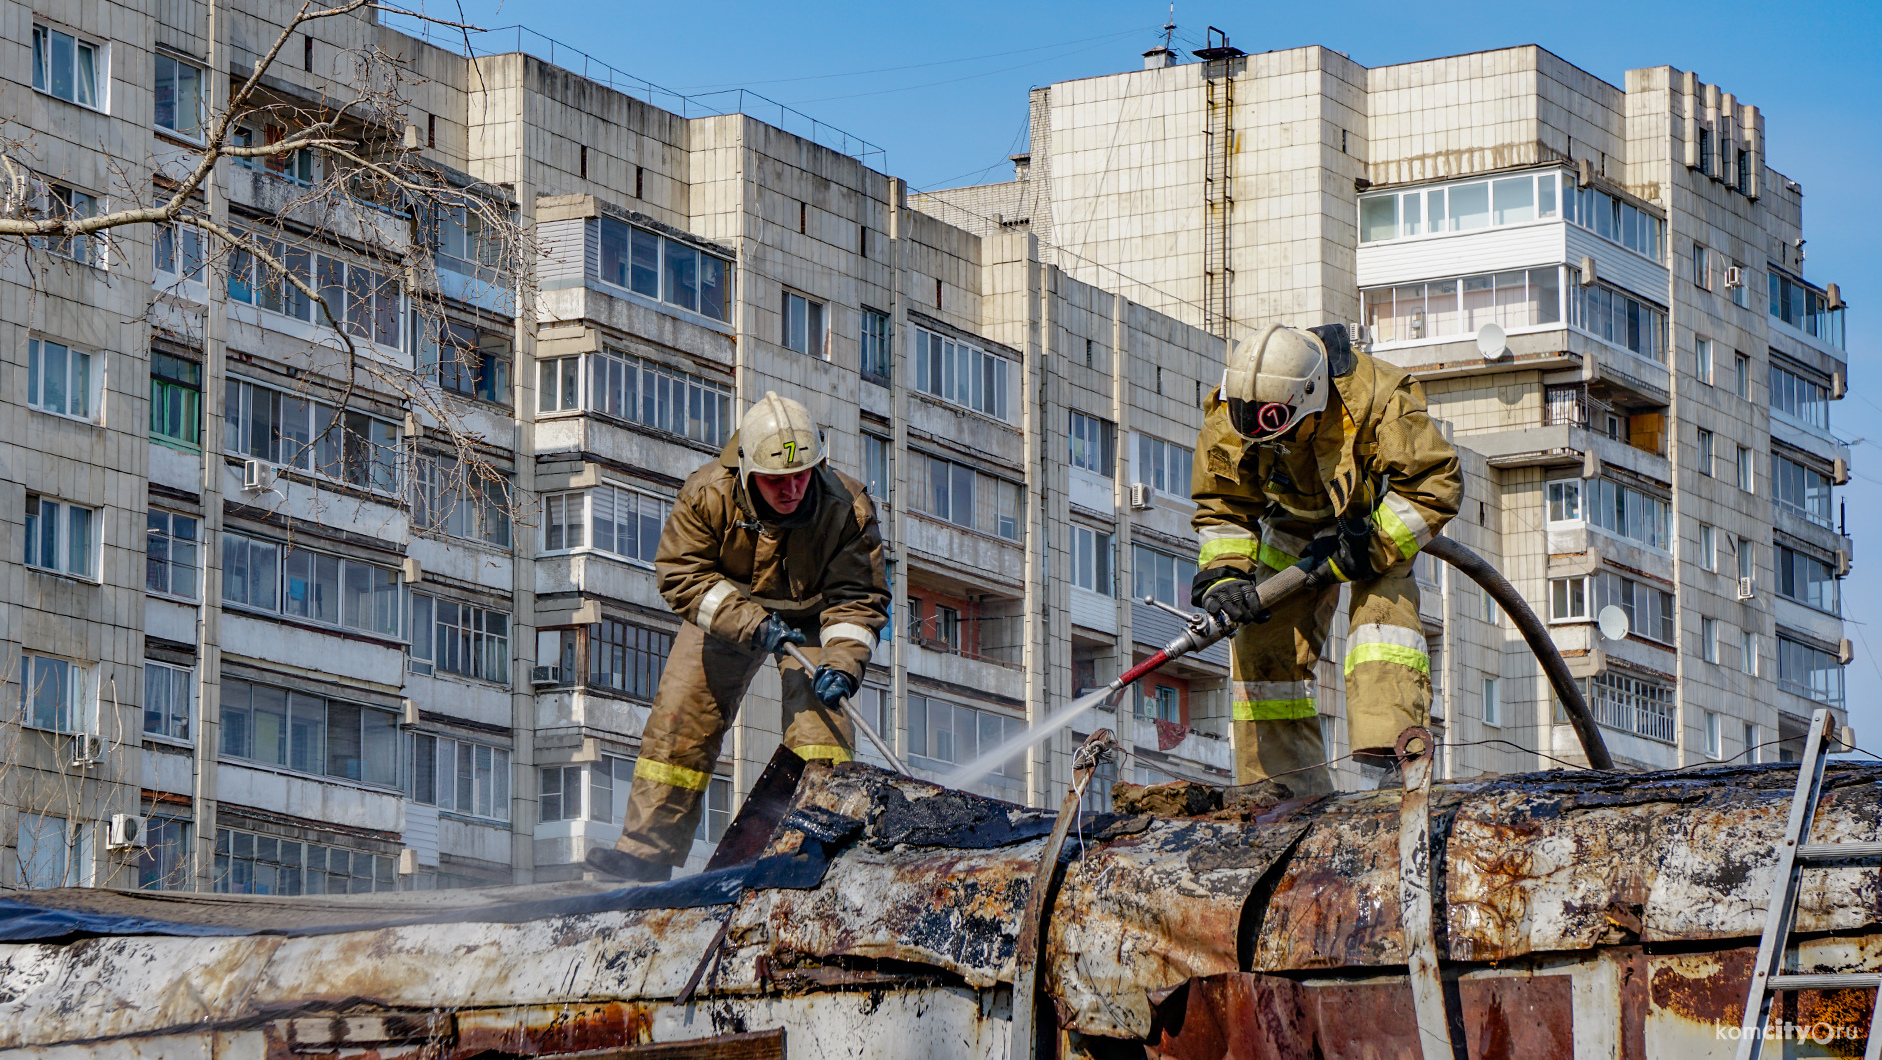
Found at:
(1258, 1017)
(1142, 913)
(1336, 904)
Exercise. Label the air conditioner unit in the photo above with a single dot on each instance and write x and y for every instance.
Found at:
(1734, 277)
(543, 676)
(1358, 334)
(1746, 589)
(1143, 496)
(87, 750)
(126, 833)
(257, 476)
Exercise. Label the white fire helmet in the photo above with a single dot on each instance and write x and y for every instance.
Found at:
(1274, 380)
(778, 437)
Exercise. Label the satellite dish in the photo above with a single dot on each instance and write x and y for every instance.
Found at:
(1613, 622)
(1492, 342)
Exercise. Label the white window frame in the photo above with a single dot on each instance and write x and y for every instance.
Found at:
(814, 316)
(1419, 320)
(304, 457)
(282, 554)
(484, 652)
(187, 250)
(577, 508)
(1706, 462)
(1091, 549)
(41, 60)
(1491, 693)
(561, 794)
(74, 852)
(1564, 501)
(1712, 723)
(957, 364)
(37, 510)
(1165, 466)
(1708, 547)
(1748, 652)
(663, 293)
(1709, 639)
(1182, 570)
(1092, 443)
(491, 785)
(158, 58)
(1568, 599)
(1702, 360)
(167, 533)
(90, 388)
(1746, 470)
(177, 678)
(672, 394)
(79, 711)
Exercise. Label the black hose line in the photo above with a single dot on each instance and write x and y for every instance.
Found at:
(1477, 569)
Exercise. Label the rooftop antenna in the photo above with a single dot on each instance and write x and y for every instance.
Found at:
(1169, 28)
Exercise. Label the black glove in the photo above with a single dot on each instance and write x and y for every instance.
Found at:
(1228, 594)
(772, 634)
(1347, 552)
(833, 686)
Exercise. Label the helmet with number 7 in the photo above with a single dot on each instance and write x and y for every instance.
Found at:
(1274, 380)
(778, 437)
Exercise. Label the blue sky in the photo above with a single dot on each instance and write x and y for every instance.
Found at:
(942, 88)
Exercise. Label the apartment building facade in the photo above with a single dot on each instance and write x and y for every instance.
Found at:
(269, 632)
(1602, 288)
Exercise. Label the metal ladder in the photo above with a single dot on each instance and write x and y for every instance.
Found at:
(1793, 856)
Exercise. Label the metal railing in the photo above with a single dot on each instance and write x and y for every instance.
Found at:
(521, 39)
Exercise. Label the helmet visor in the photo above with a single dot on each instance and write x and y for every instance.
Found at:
(1261, 421)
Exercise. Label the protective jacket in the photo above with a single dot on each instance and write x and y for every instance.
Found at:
(1375, 454)
(725, 559)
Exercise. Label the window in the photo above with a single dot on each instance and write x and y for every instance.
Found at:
(309, 733)
(1620, 510)
(164, 863)
(1806, 579)
(1712, 734)
(1805, 308)
(965, 375)
(1492, 704)
(53, 852)
(1702, 358)
(293, 431)
(1754, 740)
(367, 303)
(1446, 308)
(1162, 702)
(455, 638)
(1161, 576)
(1744, 470)
(623, 522)
(1741, 291)
(876, 466)
(1709, 639)
(167, 694)
(249, 863)
(1091, 561)
(560, 797)
(450, 498)
(1741, 366)
(558, 384)
(60, 380)
(69, 67)
(1649, 610)
(1747, 558)
(665, 269)
(803, 326)
(460, 776)
(176, 397)
(1708, 548)
(1620, 319)
(626, 657)
(55, 695)
(1568, 599)
(263, 575)
(178, 251)
(715, 811)
(1094, 444)
(945, 732)
(1809, 671)
(642, 392)
(1705, 461)
(1486, 608)
(466, 243)
(170, 562)
(67, 203)
(947, 627)
(964, 496)
(1458, 207)
(877, 706)
(1701, 268)
(466, 360)
(1748, 651)
(61, 537)
(1800, 397)
(179, 96)
(1800, 489)
(876, 347)
(1632, 704)
(1164, 465)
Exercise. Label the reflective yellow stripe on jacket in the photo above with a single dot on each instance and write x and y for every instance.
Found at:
(823, 750)
(671, 775)
(1272, 700)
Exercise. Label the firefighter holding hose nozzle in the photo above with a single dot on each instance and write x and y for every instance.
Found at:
(1311, 454)
(767, 545)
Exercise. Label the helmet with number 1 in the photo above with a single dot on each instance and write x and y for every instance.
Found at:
(1275, 380)
(778, 437)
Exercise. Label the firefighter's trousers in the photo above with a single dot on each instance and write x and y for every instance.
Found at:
(698, 697)
(1388, 679)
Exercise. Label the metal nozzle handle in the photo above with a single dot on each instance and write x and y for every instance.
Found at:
(855, 716)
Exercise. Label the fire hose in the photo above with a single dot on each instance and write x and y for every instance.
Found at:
(1201, 631)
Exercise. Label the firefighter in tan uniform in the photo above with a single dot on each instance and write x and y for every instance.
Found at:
(1313, 453)
(766, 544)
